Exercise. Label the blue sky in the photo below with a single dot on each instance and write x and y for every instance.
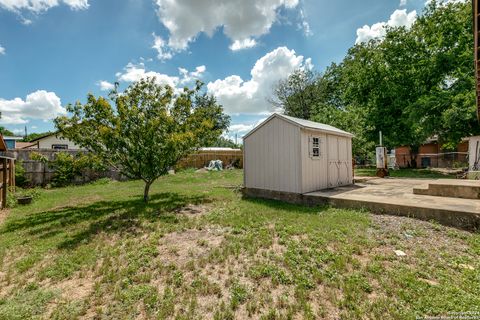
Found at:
(53, 52)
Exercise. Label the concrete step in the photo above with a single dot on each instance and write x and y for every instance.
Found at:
(421, 190)
(465, 189)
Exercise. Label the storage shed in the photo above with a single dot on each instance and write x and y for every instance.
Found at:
(290, 155)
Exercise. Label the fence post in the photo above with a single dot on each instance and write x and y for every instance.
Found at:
(4, 183)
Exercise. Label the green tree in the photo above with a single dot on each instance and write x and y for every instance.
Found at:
(5, 132)
(148, 131)
(411, 85)
(35, 135)
(223, 142)
(296, 94)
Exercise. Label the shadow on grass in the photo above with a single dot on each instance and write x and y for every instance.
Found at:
(285, 206)
(102, 216)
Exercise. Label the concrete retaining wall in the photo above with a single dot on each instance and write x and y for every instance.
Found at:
(458, 219)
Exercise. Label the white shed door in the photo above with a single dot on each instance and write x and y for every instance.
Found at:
(338, 172)
(343, 164)
(333, 162)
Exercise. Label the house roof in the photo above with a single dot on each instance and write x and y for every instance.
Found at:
(304, 124)
(24, 145)
(44, 136)
(12, 138)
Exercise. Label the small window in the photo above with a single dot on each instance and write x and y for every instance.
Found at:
(59, 146)
(315, 147)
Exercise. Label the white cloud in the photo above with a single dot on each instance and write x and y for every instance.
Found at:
(34, 7)
(239, 96)
(2, 50)
(37, 105)
(77, 4)
(189, 77)
(403, 3)
(37, 6)
(241, 128)
(240, 19)
(105, 85)
(134, 72)
(243, 44)
(164, 53)
(399, 18)
(304, 25)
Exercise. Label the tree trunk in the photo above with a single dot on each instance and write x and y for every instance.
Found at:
(146, 191)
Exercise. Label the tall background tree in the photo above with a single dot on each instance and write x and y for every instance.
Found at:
(148, 130)
(411, 85)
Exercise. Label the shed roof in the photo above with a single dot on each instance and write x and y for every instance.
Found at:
(304, 124)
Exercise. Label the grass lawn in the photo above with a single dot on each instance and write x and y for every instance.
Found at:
(407, 173)
(198, 251)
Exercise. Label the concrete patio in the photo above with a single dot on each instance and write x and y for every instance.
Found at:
(395, 196)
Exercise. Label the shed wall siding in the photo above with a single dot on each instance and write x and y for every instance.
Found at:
(272, 157)
(333, 168)
(314, 171)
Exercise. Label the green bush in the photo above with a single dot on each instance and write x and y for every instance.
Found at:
(38, 157)
(15, 193)
(20, 177)
(68, 166)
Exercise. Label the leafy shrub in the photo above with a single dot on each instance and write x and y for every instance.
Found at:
(11, 200)
(38, 157)
(20, 177)
(15, 193)
(68, 166)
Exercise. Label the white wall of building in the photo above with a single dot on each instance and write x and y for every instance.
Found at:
(334, 166)
(272, 157)
(278, 157)
(49, 141)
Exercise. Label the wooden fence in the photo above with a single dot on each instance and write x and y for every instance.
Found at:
(7, 178)
(38, 173)
(202, 158)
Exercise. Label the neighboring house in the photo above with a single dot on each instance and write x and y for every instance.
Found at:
(23, 145)
(430, 154)
(11, 142)
(295, 156)
(52, 141)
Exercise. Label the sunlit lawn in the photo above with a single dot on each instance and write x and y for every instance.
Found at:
(200, 251)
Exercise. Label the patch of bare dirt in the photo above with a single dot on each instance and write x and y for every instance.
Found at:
(413, 237)
(193, 210)
(180, 247)
(73, 289)
(76, 288)
(417, 234)
(322, 301)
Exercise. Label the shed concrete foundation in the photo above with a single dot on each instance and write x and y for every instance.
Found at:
(388, 196)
